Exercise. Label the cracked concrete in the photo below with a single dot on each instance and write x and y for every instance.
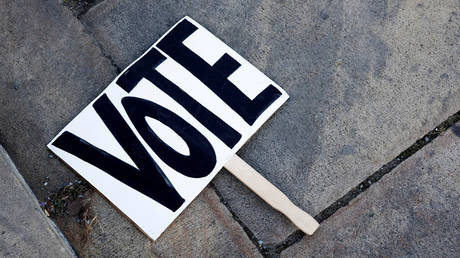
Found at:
(366, 79)
(410, 212)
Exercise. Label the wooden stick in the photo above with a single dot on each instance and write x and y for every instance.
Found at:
(272, 195)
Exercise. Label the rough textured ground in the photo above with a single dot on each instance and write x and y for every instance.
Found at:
(50, 69)
(412, 212)
(366, 80)
(23, 225)
(79, 7)
(204, 229)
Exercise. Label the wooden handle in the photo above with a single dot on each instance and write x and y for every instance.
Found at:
(272, 195)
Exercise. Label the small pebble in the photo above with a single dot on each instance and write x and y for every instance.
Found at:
(45, 184)
(427, 139)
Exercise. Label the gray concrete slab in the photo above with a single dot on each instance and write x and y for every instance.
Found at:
(411, 212)
(25, 231)
(49, 71)
(366, 79)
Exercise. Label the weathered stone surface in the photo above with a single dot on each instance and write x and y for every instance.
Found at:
(25, 231)
(49, 70)
(366, 79)
(413, 211)
(205, 229)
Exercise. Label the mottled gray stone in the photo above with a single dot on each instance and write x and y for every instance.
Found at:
(366, 79)
(205, 229)
(49, 71)
(411, 212)
(25, 231)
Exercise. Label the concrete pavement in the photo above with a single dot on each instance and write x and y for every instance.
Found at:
(366, 80)
(25, 231)
(411, 212)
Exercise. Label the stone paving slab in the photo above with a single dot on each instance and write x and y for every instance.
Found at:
(366, 79)
(49, 71)
(25, 231)
(410, 212)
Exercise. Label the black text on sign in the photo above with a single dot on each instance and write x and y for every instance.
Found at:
(160, 132)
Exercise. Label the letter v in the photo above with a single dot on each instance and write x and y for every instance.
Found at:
(149, 179)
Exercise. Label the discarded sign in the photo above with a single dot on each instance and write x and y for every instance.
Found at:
(158, 134)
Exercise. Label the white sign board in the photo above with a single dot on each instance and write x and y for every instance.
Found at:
(158, 134)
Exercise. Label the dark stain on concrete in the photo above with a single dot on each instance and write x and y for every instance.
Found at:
(80, 7)
(347, 150)
(414, 68)
(308, 71)
(456, 130)
(70, 208)
(324, 15)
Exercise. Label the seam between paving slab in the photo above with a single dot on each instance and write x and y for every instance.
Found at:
(80, 7)
(53, 227)
(246, 229)
(295, 237)
(275, 250)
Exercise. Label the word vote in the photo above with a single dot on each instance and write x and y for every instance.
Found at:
(148, 178)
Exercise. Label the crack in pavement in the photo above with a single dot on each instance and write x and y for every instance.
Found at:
(295, 237)
(80, 7)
